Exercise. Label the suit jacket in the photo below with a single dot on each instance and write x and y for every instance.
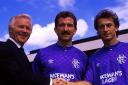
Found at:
(15, 69)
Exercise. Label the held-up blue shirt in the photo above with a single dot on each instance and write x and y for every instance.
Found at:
(109, 66)
(60, 62)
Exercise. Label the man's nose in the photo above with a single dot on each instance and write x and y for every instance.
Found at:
(105, 28)
(25, 29)
(66, 28)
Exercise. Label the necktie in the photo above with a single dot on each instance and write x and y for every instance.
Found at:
(22, 51)
(25, 59)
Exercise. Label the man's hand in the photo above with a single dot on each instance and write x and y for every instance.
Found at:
(59, 81)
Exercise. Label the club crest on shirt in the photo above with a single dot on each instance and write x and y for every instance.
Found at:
(121, 58)
(76, 63)
(50, 61)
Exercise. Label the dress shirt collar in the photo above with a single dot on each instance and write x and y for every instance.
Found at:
(17, 44)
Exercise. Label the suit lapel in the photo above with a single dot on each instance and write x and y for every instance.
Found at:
(19, 55)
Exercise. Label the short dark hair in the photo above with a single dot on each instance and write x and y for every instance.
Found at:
(106, 13)
(65, 14)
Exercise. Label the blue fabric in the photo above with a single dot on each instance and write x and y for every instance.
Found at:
(61, 62)
(109, 66)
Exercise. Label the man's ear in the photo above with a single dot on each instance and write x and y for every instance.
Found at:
(10, 30)
(117, 28)
(75, 30)
(117, 31)
(98, 34)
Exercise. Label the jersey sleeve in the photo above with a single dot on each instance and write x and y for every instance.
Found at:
(92, 73)
(89, 74)
(36, 65)
(85, 62)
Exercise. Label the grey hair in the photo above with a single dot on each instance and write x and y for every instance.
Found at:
(11, 21)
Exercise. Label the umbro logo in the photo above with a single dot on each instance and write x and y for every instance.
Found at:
(50, 61)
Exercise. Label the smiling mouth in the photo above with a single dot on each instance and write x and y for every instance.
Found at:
(23, 36)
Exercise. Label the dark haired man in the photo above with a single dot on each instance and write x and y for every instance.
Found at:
(108, 66)
(62, 59)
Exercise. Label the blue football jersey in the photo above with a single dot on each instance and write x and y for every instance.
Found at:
(109, 66)
(60, 62)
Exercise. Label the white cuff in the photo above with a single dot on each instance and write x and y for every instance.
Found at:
(50, 81)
